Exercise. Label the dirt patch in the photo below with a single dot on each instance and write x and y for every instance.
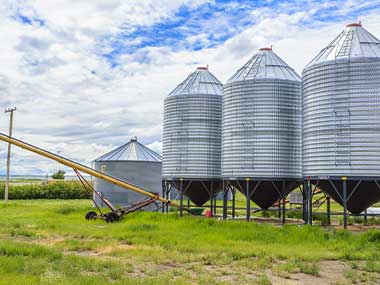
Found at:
(51, 240)
(357, 227)
(331, 272)
(45, 241)
(113, 248)
(277, 221)
(170, 264)
(102, 251)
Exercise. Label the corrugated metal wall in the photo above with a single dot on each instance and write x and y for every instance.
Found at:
(341, 119)
(262, 129)
(192, 136)
(146, 174)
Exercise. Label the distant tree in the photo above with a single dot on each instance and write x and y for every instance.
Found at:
(60, 174)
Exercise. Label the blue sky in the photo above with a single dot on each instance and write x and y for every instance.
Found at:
(88, 75)
(186, 22)
(218, 21)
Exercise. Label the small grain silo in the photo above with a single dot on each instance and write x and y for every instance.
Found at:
(132, 162)
(261, 129)
(341, 119)
(192, 137)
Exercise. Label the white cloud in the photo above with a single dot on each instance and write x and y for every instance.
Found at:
(155, 146)
(70, 100)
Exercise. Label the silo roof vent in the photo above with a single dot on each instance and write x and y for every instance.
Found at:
(359, 24)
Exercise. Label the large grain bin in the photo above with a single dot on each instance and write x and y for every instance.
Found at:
(341, 119)
(132, 162)
(261, 129)
(192, 136)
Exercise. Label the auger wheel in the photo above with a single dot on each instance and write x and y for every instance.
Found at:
(112, 217)
(91, 215)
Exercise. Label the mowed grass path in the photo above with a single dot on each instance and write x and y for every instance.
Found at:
(50, 242)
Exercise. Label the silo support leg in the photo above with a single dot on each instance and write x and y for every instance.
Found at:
(306, 205)
(345, 204)
(225, 204)
(181, 199)
(225, 194)
(304, 216)
(283, 190)
(343, 197)
(212, 201)
(168, 197)
(310, 203)
(215, 200)
(304, 202)
(233, 202)
(164, 196)
(248, 217)
(214, 197)
(328, 210)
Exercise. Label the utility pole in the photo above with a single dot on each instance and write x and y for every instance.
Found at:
(8, 110)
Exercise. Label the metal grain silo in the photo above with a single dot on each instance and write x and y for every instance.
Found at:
(341, 119)
(261, 129)
(192, 136)
(132, 162)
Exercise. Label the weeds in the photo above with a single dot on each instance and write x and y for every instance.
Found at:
(372, 266)
(311, 268)
(351, 275)
(263, 280)
(151, 248)
(284, 269)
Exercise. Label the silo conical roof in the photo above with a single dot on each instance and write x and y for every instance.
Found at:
(199, 82)
(353, 42)
(131, 151)
(265, 65)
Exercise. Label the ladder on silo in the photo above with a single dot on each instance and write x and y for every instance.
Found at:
(248, 134)
(253, 67)
(342, 137)
(345, 48)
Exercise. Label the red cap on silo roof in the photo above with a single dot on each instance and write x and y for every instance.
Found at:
(359, 24)
(267, 48)
(202, 68)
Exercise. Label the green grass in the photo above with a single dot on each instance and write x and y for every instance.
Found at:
(49, 241)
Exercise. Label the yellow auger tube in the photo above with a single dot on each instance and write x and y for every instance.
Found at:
(82, 168)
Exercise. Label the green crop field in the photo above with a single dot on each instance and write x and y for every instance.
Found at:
(50, 242)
